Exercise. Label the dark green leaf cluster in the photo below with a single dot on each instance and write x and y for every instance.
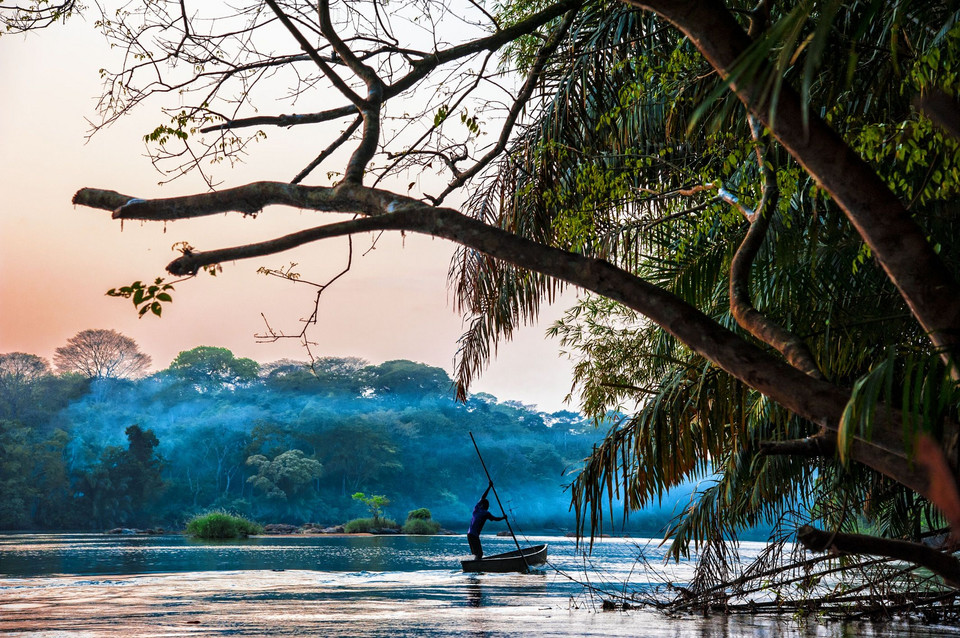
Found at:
(145, 298)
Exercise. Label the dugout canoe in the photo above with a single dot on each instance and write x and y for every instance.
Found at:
(508, 561)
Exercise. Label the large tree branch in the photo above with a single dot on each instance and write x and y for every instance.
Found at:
(941, 563)
(885, 224)
(813, 399)
(284, 120)
(191, 262)
(248, 199)
(822, 444)
(370, 109)
(741, 306)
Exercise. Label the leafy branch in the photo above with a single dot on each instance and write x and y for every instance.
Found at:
(145, 298)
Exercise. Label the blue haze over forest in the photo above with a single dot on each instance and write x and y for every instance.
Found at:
(279, 443)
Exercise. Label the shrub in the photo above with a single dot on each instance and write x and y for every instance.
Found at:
(419, 521)
(421, 526)
(358, 526)
(222, 525)
(366, 525)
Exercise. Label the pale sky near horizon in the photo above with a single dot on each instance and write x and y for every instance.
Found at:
(57, 260)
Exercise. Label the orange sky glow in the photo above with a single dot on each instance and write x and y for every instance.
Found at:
(57, 261)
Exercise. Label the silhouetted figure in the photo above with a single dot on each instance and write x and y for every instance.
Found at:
(481, 514)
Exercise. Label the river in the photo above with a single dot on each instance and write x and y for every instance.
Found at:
(105, 585)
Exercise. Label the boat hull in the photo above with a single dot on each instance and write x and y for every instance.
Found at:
(508, 561)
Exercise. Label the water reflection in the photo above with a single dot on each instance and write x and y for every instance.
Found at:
(474, 591)
(293, 586)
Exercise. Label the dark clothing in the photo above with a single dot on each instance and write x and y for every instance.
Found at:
(480, 516)
(475, 548)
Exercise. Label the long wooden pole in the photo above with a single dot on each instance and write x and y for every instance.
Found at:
(496, 496)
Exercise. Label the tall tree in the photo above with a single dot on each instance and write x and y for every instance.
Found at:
(210, 368)
(102, 354)
(548, 222)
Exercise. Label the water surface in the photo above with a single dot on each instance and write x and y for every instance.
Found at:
(98, 585)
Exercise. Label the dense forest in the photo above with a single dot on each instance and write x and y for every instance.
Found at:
(281, 442)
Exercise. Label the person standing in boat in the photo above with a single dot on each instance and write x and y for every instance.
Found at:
(481, 514)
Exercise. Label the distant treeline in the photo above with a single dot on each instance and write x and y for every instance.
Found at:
(278, 443)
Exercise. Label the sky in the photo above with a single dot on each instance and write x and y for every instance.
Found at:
(57, 260)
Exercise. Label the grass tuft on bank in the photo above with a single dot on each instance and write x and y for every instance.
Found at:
(420, 521)
(366, 525)
(221, 525)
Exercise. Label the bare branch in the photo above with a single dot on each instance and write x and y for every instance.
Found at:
(283, 120)
(337, 143)
(272, 335)
(533, 79)
(311, 51)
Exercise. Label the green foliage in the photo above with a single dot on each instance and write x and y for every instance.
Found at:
(145, 298)
(314, 441)
(284, 476)
(162, 134)
(421, 513)
(624, 162)
(16, 488)
(421, 527)
(209, 368)
(375, 503)
(407, 377)
(441, 115)
(222, 525)
(368, 525)
(359, 526)
(419, 521)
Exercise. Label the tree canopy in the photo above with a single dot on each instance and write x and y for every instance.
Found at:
(147, 452)
(761, 200)
(209, 367)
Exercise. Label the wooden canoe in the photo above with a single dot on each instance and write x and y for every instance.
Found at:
(508, 561)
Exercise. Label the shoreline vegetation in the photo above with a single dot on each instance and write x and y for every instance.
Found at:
(219, 525)
(274, 444)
